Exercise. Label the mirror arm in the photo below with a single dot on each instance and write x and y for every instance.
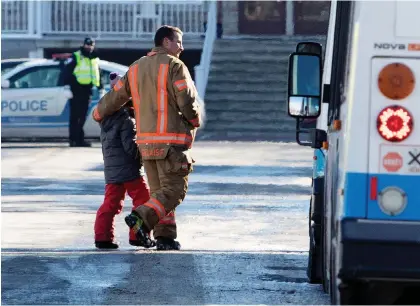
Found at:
(317, 138)
(301, 131)
(326, 93)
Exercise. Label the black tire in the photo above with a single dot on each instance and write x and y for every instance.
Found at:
(347, 293)
(313, 270)
(325, 257)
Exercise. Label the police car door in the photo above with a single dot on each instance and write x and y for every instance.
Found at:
(34, 104)
(91, 127)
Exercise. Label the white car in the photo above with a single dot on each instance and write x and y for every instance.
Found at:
(35, 102)
(9, 64)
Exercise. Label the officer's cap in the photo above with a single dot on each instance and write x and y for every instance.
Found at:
(88, 41)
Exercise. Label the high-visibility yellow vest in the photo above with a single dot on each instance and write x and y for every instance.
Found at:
(86, 70)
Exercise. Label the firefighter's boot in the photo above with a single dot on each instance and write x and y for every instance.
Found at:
(139, 243)
(167, 244)
(136, 224)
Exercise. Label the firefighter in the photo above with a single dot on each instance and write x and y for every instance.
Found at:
(82, 74)
(167, 115)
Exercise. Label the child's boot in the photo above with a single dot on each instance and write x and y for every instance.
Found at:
(106, 245)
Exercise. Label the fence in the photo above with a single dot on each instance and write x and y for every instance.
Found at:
(111, 19)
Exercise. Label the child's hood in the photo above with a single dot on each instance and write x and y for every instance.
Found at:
(108, 122)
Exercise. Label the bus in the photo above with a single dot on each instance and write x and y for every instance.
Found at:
(364, 218)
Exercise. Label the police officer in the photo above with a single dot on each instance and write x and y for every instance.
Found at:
(168, 113)
(82, 74)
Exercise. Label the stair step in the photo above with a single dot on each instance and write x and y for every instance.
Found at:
(247, 96)
(274, 38)
(231, 87)
(269, 136)
(247, 68)
(244, 116)
(229, 77)
(255, 42)
(252, 106)
(249, 126)
(248, 44)
(256, 50)
(262, 48)
(251, 58)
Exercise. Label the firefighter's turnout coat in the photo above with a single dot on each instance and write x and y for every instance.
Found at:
(165, 102)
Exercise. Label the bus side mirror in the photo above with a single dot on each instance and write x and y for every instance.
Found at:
(309, 47)
(304, 85)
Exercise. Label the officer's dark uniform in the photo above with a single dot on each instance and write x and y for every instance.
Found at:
(82, 73)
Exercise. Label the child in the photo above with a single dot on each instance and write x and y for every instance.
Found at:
(123, 172)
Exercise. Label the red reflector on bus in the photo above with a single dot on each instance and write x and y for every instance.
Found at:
(394, 123)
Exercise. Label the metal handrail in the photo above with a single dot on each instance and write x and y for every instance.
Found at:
(202, 70)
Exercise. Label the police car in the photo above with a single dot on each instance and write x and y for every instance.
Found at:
(9, 64)
(35, 102)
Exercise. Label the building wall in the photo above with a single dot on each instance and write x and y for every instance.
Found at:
(230, 17)
(16, 48)
(270, 17)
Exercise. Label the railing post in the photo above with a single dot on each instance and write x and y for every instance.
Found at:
(203, 70)
(46, 23)
(99, 19)
(30, 18)
(290, 25)
(198, 72)
(39, 18)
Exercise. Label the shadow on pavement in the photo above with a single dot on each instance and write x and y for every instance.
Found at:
(149, 277)
(32, 186)
(244, 171)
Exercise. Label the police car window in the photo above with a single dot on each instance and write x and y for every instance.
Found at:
(105, 77)
(36, 77)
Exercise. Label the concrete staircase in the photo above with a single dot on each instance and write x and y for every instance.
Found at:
(247, 88)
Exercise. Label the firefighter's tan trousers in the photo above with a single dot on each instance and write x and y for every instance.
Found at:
(168, 181)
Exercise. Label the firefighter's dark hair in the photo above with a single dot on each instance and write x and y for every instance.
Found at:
(165, 32)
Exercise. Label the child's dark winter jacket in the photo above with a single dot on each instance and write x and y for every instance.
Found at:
(121, 156)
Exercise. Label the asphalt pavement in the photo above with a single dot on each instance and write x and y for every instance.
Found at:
(242, 227)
